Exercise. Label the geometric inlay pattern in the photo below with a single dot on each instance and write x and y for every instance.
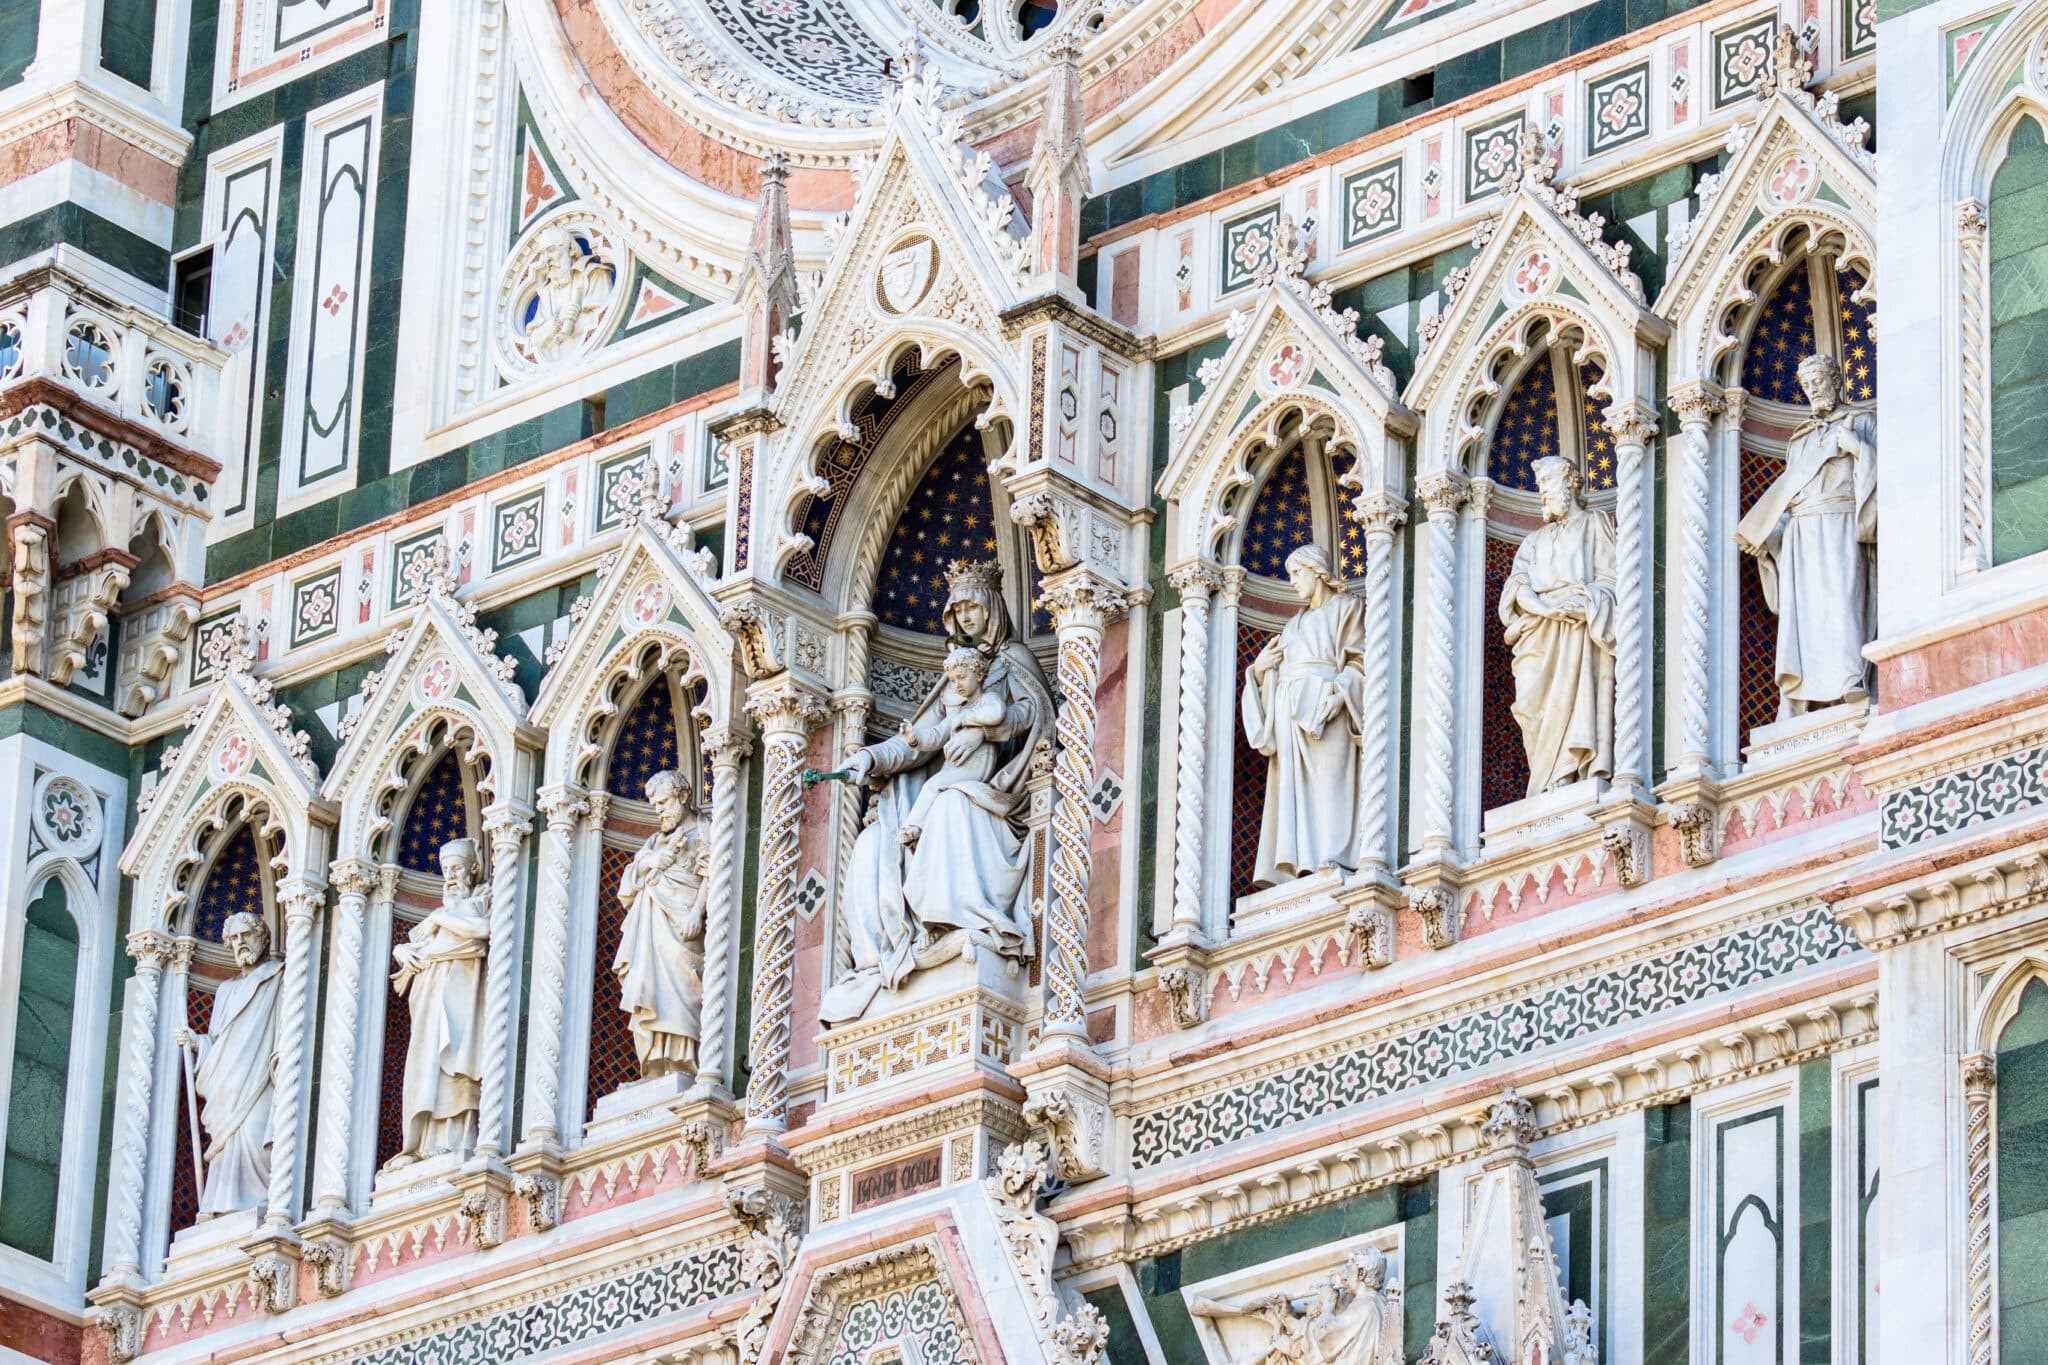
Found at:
(1958, 800)
(613, 1062)
(920, 1317)
(1490, 154)
(1620, 995)
(1248, 248)
(1741, 57)
(1756, 625)
(1372, 203)
(1247, 775)
(591, 1310)
(1618, 109)
(949, 516)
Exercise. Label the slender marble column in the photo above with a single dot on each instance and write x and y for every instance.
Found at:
(1381, 514)
(1443, 493)
(728, 748)
(1631, 431)
(507, 829)
(352, 879)
(787, 712)
(151, 951)
(300, 902)
(1980, 1091)
(1195, 582)
(1081, 606)
(563, 807)
(1696, 407)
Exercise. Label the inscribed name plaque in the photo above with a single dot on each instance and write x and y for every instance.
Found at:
(898, 1179)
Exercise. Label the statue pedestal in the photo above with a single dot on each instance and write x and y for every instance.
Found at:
(1546, 816)
(918, 1094)
(1795, 736)
(421, 1179)
(635, 1105)
(212, 1243)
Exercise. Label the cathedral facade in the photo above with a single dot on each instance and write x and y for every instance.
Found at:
(977, 682)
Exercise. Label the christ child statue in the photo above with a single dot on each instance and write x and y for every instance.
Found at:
(966, 712)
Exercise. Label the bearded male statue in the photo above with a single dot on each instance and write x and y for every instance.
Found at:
(232, 1065)
(441, 975)
(660, 961)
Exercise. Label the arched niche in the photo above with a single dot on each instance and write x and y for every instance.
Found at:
(1297, 439)
(1779, 258)
(439, 750)
(647, 678)
(236, 817)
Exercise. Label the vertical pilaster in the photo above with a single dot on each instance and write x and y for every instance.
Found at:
(1443, 493)
(564, 808)
(506, 828)
(300, 901)
(151, 951)
(1081, 605)
(1381, 514)
(1195, 583)
(1973, 245)
(1631, 430)
(853, 702)
(728, 748)
(1980, 1262)
(352, 879)
(1696, 406)
(787, 712)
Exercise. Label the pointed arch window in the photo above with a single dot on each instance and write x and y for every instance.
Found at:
(1551, 411)
(1302, 501)
(39, 1078)
(1811, 308)
(439, 814)
(2019, 361)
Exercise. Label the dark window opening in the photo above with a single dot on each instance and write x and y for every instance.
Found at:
(593, 414)
(1419, 88)
(192, 291)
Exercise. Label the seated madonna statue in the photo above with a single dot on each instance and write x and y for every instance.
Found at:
(933, 878)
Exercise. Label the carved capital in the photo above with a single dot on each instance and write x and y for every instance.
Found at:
(1443, 492)
(1695, 823)
(1083, 601)
(785, 707)
(151, 950)
(1072, 1118)
(387, 880)
(600, 807)
(1630, 427)
(1437, 908)
(1973, 218)
(1980, 1073)
(1051, 544)
(353, 877)
(563, 807)
(1372, 933)
(274, 1282)
(1510, 1124)
(299, 900)
(542, 1193)
(727, 746)
(748, 625)
(1379, 512)
(1695, 405)
(1196, 580)
(1629, 846)
(182, 950)
(482, 1212)
(506, 829)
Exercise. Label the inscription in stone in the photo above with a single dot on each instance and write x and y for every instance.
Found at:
(898, 1179)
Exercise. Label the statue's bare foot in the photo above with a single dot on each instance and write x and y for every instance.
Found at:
(909, 834)
(400, 1162)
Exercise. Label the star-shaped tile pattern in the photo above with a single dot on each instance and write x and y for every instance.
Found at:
(1351, 557)
(1782, 338)
(233, 884)
(1282, 517)
(439, 813)
(949, 516)
(647, 743)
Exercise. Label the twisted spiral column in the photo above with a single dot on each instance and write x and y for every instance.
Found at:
(1980, 1084)
(1443, 493)
(1081, 607)
(300, 901)
(352, 879)
(853, 704)
(1631, 431)
(786, 713)
(728, 748)
(1195, 583)
(151, 951)
(507, 829)
(562, 808)
(1973, 237)
(1381, 514)
(1696, 409)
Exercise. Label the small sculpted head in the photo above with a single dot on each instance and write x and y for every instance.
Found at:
(1821, 377)
(247, 937)
(966, 669)
(665, 794)
(1308, 569)
(1558, 481)
(458, 867)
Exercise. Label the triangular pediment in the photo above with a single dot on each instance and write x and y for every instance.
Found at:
(934, 247)
(648, 593)
(1290, 351)
(240, 742)
(443, 669)
(1540, 255)
(1794, 163)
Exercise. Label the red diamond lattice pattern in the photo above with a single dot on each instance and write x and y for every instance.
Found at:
(391, 1086)
(1503, 762)
(1756, 666)
(1247, 774)
(184, 1180)
(613, 1062)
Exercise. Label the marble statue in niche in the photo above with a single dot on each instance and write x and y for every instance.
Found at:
(1814, 536)
(660, 962)
(961, 881)
(1351, 1316)
(1305, 708)
(231, 1065)
(440, 974)
(1557, 608)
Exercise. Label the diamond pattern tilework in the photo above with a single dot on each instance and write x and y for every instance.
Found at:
(1247, 248)
(1282, 517)
(184, 1180)
(439, 813)
(1756, 648)
(1959, 800)
(949, 516)
(1503, 762)
(1599, 441)
(647, 744)
(391, 1065)
(1503, 1032)
(1526, 430)
(1618, 109)
(234, 883)
(613, 1062)
(1247, 774)
(1782, 338)
(576, 1316)
(1859, 340)
(841, 466)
